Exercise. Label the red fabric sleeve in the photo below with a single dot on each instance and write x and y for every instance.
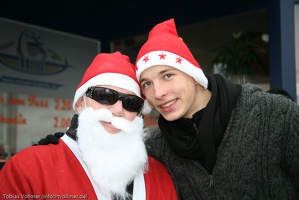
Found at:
(159, 184)
(44, 170)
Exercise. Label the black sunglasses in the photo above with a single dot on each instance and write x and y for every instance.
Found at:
(108, 96)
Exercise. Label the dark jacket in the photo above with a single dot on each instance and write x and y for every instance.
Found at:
(257, 158)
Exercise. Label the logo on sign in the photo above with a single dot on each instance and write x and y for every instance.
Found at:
(33, 56)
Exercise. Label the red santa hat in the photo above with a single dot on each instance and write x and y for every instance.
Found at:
(113, 69)
(164, 47)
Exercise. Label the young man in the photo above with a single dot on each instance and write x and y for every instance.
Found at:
(105, 157)
(218, 140)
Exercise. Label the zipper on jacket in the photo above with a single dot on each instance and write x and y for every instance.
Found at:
(211, 180)
(195, 127)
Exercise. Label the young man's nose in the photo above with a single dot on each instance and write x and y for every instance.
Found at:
(159, 91)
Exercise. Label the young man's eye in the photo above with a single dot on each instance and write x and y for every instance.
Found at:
(167, 75)
(146, 84)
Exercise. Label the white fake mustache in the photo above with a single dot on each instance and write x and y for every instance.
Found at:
(118, 122)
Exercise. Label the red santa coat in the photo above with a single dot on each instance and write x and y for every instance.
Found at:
(54, 170)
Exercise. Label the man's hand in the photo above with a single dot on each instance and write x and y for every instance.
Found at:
(53, 139)
(50, 139)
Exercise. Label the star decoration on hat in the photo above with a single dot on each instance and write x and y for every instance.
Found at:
(179, 60)
(145, 59)
(162, 56)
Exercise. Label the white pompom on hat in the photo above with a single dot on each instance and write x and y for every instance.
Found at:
(113, 69)
(165, 47)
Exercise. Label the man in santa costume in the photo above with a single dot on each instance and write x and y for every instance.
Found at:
(105, 157)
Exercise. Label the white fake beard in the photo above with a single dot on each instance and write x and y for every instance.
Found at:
(113, 159)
